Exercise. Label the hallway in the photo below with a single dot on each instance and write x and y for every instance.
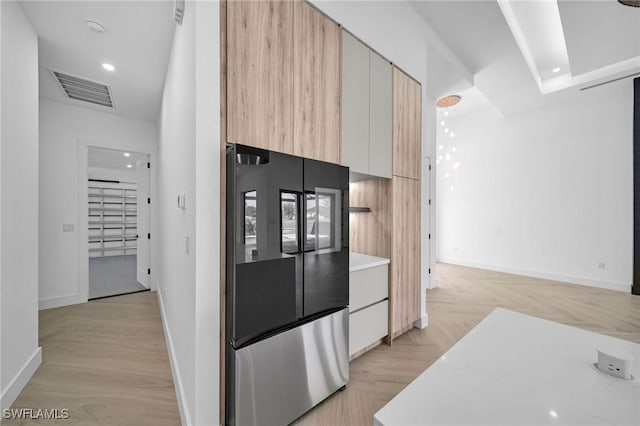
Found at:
(106, 362)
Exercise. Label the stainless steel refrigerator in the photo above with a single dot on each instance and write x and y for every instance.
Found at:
(287, 285)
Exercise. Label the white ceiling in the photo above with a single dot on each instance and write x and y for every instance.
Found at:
(114, 159)
(599, 33)
(474, 30)
(583, 36)
(137, 41)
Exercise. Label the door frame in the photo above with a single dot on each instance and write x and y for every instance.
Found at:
(635, 274)
(83, 199)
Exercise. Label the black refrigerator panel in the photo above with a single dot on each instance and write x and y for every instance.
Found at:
(268, 289)
(325, 209)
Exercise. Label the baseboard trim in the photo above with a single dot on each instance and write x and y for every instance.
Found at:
(544, 275)
(18, 383)
(422, 322)
(57, 301)
(434, 284)
(183, 406)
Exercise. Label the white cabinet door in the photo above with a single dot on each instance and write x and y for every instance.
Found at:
(355, 104)
(380, 113)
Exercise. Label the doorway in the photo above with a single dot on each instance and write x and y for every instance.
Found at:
(118, 222)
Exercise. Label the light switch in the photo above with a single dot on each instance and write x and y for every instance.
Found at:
(186, 244)
(67, 227)
(181, 200)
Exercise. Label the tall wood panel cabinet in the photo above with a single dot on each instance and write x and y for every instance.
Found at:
(316, 76)
(407, 125)
(406, 211)
(405, 255)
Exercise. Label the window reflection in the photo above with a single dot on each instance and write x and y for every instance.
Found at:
(289, 222)
(250, 224)
(323, 222)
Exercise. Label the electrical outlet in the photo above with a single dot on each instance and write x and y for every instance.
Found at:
(615, 365)
(601, 265)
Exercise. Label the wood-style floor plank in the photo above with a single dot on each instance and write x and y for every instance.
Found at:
(464, 297)
(106, 362)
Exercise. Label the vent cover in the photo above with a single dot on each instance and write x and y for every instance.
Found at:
(84, 90)
(178, 11)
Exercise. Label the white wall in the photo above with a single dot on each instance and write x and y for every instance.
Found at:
(545, 192)
(189, 163)
(19, 353)
(65, 133)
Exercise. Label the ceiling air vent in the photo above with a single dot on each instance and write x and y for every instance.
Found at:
(84, 90)
(178, 11)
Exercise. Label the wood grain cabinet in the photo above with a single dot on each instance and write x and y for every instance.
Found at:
(407, 125)
(316, 91)
(283, 78)
(366, 109)
(405, 254)
(260, 74)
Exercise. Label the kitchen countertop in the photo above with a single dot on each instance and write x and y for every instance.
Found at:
(358, 261)
(515, 369)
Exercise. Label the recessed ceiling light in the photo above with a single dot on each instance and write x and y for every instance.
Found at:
(129, 166)
(108, 67)
(446, 130)
(453, 135)
(442, 123)
(446, 113)
(94, 26)
(555, 70)
(126, 154)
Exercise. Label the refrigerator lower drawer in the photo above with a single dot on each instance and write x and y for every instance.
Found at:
(280, 378)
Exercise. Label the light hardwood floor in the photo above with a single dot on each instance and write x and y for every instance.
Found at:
(106, 362)
(464, 297)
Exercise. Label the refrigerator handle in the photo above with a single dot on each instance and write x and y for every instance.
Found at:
(301, 222)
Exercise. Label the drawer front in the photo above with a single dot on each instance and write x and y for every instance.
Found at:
(368, 326)
(368, 286)
(280, 378)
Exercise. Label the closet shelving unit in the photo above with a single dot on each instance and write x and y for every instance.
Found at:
(112, 219)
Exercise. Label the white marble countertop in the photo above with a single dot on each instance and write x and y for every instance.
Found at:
(358, 261)
(514, 369)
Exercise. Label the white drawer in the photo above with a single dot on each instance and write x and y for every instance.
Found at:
(368, 326)
(368, 286)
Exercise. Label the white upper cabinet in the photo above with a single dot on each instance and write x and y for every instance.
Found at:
(355, 104)
(367, 105)
(380, 116)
